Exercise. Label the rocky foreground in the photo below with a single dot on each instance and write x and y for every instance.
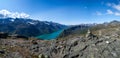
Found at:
(105, 45)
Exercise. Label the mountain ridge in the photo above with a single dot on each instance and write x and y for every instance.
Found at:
(28, 27)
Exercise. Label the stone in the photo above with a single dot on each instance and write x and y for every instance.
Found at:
(2, 52)
(3, 35)
(34, 42)
(107, 42)
(43, 56)
(90, 35)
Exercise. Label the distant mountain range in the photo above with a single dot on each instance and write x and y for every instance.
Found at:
(28, 27)
(76, 29)
(83, 28)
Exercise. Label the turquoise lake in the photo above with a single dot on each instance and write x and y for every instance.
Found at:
(50, 36)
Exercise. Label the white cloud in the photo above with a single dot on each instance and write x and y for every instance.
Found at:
(114, 6)
(117, 13)
(117, 7)
(98, 13)
(7, 13)
(109, 12)
(113, 13)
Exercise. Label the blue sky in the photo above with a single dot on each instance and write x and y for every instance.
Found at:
(68, 12)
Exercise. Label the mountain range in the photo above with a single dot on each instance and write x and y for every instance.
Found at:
(101, 41)
(28, 27)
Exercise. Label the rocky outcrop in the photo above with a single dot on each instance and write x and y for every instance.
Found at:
(3, 35)
(90, 35)
(91, 46)
(43, 56)
(2, 52)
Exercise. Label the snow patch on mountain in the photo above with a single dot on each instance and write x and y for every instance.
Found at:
(47, 23)
(5, 14)
(31, 23)
(12, 20)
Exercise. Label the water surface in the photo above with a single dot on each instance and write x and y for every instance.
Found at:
(50, 36)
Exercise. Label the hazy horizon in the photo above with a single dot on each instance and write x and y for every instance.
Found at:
(69, 12)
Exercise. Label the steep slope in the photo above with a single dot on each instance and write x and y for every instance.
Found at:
(76, 29)
(28, 27)
(82, 29)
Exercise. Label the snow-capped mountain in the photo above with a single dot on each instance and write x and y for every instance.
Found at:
(23, 26)
(6, 14)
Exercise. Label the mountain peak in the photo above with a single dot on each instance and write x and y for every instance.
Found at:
(8, 14)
